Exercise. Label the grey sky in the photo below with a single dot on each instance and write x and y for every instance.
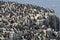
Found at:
(52, 4)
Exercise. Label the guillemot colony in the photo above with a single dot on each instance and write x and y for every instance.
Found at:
(27, 22)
